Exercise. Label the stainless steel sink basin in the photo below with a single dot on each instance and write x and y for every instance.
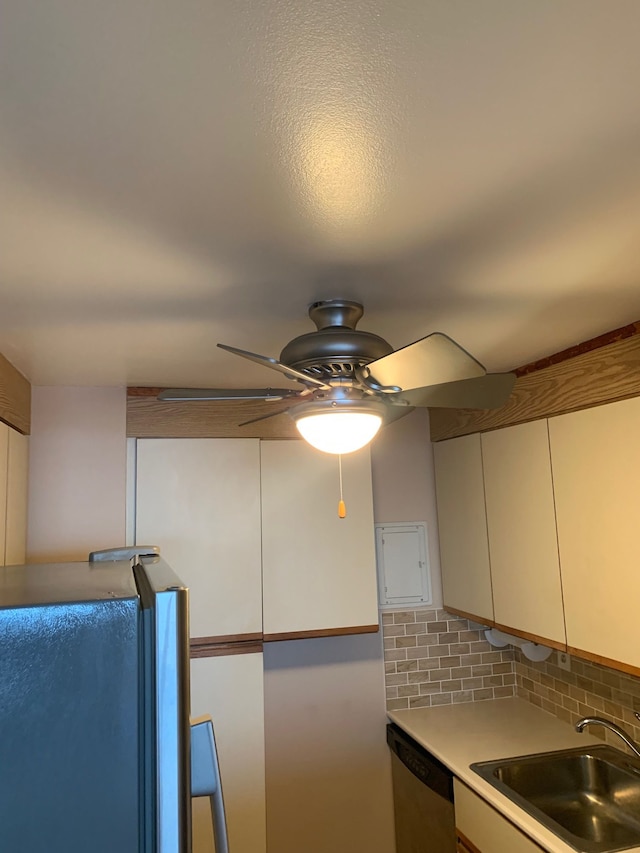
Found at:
(589, 797)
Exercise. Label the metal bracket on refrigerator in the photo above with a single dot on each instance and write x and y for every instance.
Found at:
(112, 555)
(205, 777)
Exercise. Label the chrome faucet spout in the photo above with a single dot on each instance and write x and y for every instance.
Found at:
(608, 724)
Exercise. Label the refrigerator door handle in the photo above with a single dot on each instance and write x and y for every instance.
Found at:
(112, 555)
(205, 777)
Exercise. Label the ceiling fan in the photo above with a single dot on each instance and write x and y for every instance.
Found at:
(352, 379)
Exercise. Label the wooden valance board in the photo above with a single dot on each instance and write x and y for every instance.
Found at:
(15, 398)
(604, 369)
(148, 417)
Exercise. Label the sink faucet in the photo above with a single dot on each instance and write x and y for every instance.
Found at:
(600, 721)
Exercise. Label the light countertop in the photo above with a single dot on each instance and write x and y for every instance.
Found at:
(460, 735)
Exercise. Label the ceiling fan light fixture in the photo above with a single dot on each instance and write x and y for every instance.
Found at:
(338, 428)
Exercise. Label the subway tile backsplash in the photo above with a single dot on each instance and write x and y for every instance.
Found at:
(587, 690)
(435, 658)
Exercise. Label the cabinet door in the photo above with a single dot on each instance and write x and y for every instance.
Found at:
(521, 524)
(595, 456)
(199, 500)
(16, 509)
(462, 524)
(231, 690)
(319, 571)
(485, 828)
(4, 464)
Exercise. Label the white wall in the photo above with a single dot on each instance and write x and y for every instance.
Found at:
(77, 472)
(404, 483)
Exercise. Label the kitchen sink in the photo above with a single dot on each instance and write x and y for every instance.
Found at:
(589, 797)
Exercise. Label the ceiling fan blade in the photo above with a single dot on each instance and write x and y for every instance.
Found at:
(274, 364)
(264, 417)
(180, 395)
(483, 392)
(433, 360)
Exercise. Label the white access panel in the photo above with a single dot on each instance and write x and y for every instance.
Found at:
(403, 564)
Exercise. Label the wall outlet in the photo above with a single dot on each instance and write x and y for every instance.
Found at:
(564, 661)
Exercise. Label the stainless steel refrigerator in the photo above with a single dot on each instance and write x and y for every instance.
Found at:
(94, 709)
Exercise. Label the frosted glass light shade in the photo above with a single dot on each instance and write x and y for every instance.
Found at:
(338, 432)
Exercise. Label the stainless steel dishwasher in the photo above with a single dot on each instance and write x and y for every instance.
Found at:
(422, 797)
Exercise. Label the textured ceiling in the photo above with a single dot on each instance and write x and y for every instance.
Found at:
(173, 174)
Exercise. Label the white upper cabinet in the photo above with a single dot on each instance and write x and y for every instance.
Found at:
(319, 571)
(595, 456)
(462, 524)
(521, 524)
(199, 500)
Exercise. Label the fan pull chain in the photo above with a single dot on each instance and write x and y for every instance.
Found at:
(342, 509)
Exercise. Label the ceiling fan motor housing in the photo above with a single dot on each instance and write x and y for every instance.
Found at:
(337, 348)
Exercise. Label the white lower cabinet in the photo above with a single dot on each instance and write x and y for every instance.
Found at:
(485, 828)
(4, 465)
(231, 689)
(14, 463)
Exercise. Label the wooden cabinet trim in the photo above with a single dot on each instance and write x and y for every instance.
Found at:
(244, 644)
(525, 635)
(229, 644)
(464, 845)
(254, 636)
(533, 638)
(473, 617)
(620, 666)
(322, 632)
